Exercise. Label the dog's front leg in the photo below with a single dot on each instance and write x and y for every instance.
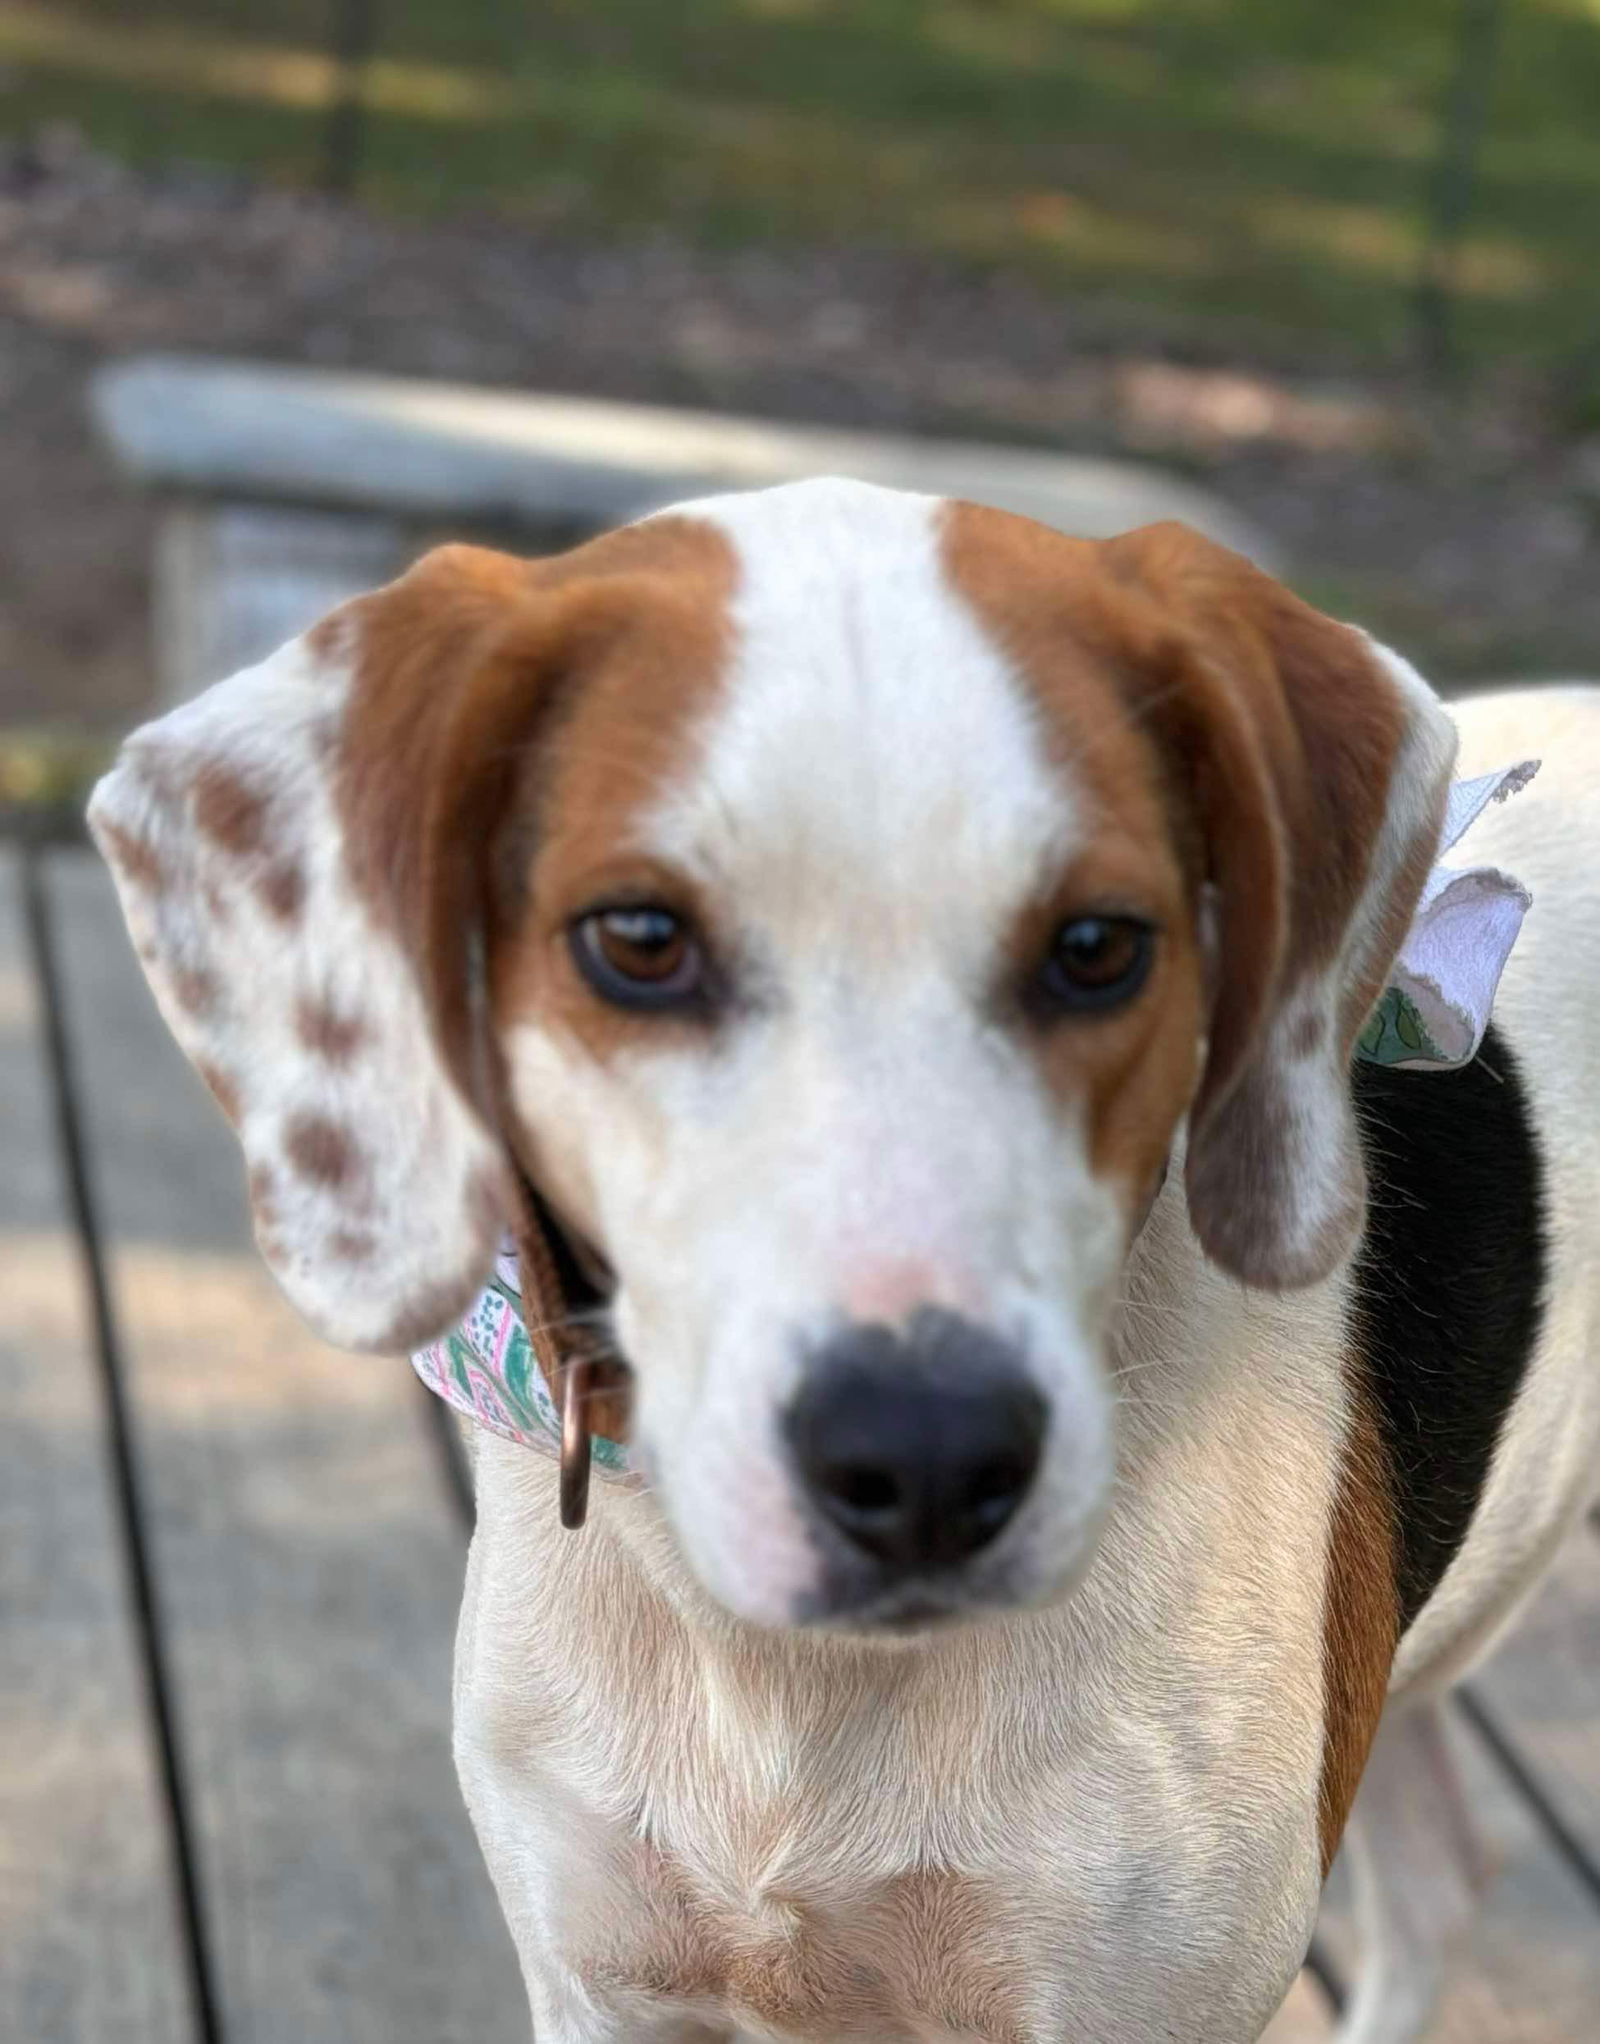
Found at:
(1420, 1873)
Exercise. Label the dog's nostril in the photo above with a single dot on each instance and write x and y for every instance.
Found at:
(919, 1447)
(862, 1490)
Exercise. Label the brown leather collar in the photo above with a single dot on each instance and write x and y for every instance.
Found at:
(563, 1290)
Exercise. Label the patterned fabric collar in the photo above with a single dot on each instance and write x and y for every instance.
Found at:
(486, 1368)
(1432, 1014)
(1431, 1017)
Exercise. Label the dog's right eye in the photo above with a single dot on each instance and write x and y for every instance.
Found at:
(640, 957)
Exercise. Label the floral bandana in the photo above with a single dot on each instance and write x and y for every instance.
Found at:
(486, 1368)
(1432, 1014)
(1431, 1017)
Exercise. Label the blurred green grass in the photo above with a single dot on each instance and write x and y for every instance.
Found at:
(1250, 170)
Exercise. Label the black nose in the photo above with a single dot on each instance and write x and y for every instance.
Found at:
(918, 1446)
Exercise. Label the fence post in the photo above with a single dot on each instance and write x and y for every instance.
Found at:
(1462, 123)
(355, 27)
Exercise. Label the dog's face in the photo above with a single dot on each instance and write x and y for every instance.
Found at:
(854, 1001)
(836, 902)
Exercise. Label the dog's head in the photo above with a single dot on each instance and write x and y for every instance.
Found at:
(836, 903)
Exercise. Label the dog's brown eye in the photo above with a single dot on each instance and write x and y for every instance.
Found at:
(1097, 962)
(644, 957)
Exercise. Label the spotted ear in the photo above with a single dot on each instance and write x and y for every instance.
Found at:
(1316, 765)
(299, 854)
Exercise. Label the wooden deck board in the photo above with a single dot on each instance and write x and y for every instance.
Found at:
(90, 1951)
(1545, 1681)
(311, 1571)
(1303, 2019)
(1530, 1973)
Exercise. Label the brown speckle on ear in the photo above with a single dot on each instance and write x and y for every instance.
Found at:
(263, 1187)
(1305, 1038)
(229, 811)
(283, 889)
(353, 1245)
(136, 859)
(321, 1150)
(194, 989)
(221, 1088)
(328, 1034)
(1360, 1621)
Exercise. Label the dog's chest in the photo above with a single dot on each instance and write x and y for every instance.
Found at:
(926, 1956)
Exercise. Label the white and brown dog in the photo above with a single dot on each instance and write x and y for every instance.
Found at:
(842, 906)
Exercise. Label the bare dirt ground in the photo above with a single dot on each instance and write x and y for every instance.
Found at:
(1471, 537)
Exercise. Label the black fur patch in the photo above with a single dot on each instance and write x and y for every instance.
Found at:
(1449, 1288)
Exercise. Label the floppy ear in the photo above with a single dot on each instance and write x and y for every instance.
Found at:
(1317, 766)
(304, 856)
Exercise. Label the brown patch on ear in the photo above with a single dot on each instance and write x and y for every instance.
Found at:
(263, 1189)
(492, 702)
(322, 1151)
(1306, 781)
(194, 989)
(352, 1245)
(283, 889)
(467, 671)
(229, 810)
(136, 859)
(327, 1033)
(1360, 1620)
(1302, 693)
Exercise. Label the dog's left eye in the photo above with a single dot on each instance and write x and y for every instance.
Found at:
(645, 957)
(1097, 962)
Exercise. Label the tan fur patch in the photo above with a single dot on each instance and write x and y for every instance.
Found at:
(1326, 725)
(1360, 1623)
(619, 742)
(1046, 604)
(477, 679)
(1278, 738)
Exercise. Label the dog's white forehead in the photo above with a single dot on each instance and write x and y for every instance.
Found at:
(873, 762)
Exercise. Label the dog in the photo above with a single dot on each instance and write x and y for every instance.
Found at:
(906, 964)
